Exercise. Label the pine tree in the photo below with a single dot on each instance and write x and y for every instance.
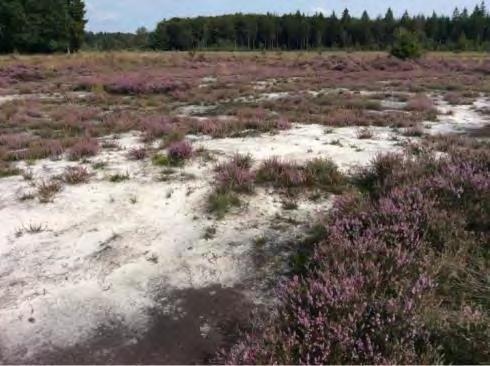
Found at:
(76, 11)
(12, 23)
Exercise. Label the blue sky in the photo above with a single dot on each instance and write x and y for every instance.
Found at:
(127, 15)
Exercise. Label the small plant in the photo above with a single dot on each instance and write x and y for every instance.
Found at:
(421, 103)
(209, 233)
(220, 203)
(84, 148)
(289, 204)
(99, 165)
(34, 228)
(46, 190)
(161, 160)
(76, 175)
(28, 175)
(27, 196)
(324, 174)
(180, 150)
(281, 173)
(414, 131)
(138, 153)
(283, 124)
(364, 134)
(119, 177)
(236, 175)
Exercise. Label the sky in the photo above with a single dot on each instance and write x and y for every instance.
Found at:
(128, 15)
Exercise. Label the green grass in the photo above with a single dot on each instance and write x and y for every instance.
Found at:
(220, 203)
(165, 160)
(119, 177)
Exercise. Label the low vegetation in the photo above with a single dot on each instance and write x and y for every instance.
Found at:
(399, 274)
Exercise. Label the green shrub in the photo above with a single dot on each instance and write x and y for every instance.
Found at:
(406, 45)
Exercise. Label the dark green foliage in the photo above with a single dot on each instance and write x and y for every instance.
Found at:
(12, 23)
(406, 45)
(103, 41)
(46, 26)
(76, 11)
(299, 31)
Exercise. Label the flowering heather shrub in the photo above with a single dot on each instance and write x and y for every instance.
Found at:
(142, 83)
(356, 304)
(15, 141)
(420, 103)
(156, 127)
(21, 73)
(138, 153)
(414, 131)
(400, 276)
(38, 149)
(212, 127)
(281, 173)
(283, 124)
(42, 149)
(236, 175)
(364, 134)
(180, 150)
(84, 148)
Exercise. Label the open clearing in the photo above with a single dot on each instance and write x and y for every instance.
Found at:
(111, 250)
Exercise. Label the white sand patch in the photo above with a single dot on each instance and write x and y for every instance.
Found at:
(194, 109)
(8, 98)
(39, 96)
(304, 142)
(457, 118)
(106, 250)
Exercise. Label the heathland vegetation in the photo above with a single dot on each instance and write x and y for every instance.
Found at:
(244, 207)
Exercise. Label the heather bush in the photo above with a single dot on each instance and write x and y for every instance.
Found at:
(46, 190)
(235, 175)
(155, 127)
(414, 131)
(420, 103)
(84, 148)
(142, 83)
(364, 134)
(138, 153)
(281, 173)
(180, 151)
(15, 141)
(38, 149)
(398, 276)
(283, 124)
(319, 173)
(76, 175)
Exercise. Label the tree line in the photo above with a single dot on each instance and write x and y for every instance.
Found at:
(463, 31)
(35, 26)
(59, 26)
